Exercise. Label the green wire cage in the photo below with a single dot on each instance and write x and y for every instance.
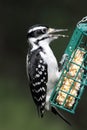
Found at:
(71, 84)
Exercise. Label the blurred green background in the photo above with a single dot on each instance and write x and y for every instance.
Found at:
(17, 110)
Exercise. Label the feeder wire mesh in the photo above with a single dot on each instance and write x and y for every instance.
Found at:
(70, 86)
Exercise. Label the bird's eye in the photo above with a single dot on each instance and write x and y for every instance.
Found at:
(39, 32)
(44, 30)
(36, 33)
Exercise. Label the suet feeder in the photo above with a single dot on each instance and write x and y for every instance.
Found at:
(73, 79)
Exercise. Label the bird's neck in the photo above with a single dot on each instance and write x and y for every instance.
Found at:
(41, 44)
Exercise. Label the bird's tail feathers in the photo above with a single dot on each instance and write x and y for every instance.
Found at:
(56, 112)
(40, 111)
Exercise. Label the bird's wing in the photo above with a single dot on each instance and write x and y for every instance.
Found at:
(37, 73)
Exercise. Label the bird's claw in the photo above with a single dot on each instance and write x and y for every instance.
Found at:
(64, 59)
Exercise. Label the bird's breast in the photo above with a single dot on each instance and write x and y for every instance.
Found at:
(52, 66)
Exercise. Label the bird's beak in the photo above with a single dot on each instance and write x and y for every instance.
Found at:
(54, 32)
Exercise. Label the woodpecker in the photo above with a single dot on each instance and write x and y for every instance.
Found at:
(43, 71)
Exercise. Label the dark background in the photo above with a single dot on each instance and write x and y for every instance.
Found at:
(17, 110)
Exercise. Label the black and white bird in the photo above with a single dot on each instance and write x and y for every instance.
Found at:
(43, 71)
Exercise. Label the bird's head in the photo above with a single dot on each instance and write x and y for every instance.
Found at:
(40, 35)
